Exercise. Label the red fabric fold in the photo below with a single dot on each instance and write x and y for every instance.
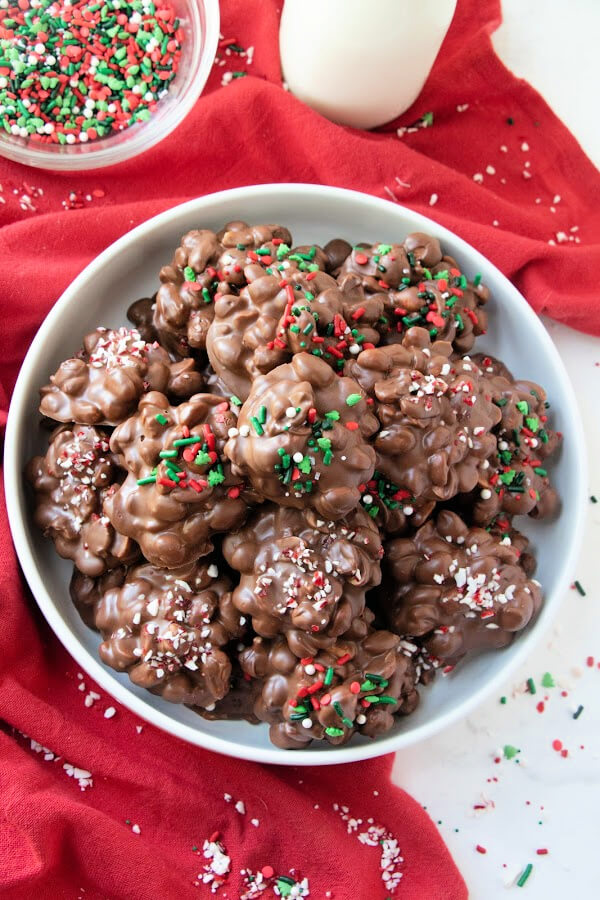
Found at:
(543, 231)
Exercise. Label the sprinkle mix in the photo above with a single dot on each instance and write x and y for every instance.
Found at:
(73, 71)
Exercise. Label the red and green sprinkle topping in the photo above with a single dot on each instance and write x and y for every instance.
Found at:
(73, 71)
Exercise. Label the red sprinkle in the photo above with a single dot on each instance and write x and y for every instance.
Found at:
(557, 745)
(325, 699)
(268, 871)
(344, 659)
(542, 851)
(480, 849)
(355, 687)
(361, 259)
(352, 426)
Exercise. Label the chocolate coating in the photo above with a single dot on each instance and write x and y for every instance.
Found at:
(166, 629)
(516, 482)
(174, 517)
(70, 483)
(339, 710)
(273, 318)
(303, 576)
(459, 588)
(436, 417)
(292, 451)
(103, 383)
(417, 285)
(206, 265)
(141, 315)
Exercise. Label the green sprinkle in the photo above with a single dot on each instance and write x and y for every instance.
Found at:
(324, 443)
(206, 295)
(539, 471)
(257, 425)
(215, 477)
(333, 415)
(167, 454)
(384, 699)
(184, 442)
(477, 280)
(593, 499)
(235, 400)
(368, 685)
(189, 274)
(202, 458)
(523, 407)
(338, 708)
(353, 399)
(372, 699)
(532, 423)
(531, 685)
(528, 867)
(328, 676)
(427, 119)
(578, 711)
(327, 457)
(334, 732)
(510, 751)
(262, 415)
(305, 465)
(548, 680)
(162, 420)
(378, 679)
(503, 700)
(579, 588)
(151, 479)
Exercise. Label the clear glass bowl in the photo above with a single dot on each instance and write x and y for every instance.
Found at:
(200, 23)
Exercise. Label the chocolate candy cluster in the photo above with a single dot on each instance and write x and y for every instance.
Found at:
(288, 493)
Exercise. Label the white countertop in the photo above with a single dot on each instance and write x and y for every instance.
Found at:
(539, 799)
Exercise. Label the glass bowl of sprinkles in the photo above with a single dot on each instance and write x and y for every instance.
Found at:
(92, 83)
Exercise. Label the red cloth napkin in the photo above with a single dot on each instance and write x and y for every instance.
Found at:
(525, 194)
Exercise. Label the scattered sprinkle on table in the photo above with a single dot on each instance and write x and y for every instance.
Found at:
(71, 73)
(525, 875)
(579, 588)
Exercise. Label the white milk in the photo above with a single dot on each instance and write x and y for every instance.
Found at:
(361, 62)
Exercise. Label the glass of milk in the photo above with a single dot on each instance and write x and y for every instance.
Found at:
(361, 62)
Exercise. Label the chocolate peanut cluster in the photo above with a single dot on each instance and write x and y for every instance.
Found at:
(70, 484)
(104, 382)
(180, 489)
(302, 576)
(288, 493)
(167, 629)
(458, 588)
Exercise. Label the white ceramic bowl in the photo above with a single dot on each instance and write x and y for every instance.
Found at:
(127, 270)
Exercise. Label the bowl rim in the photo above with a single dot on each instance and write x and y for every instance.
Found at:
(17, 512)
(104, 153)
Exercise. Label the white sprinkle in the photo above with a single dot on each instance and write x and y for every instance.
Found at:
(361, 719)
(490, 170)
(290, 412)
(307, 723)
(504, 148)
(136, 829)
(298, 457)
(139, 728)
(255, 822)
(485, 494)
(310, 669)
(478, 177)
(109, 712)
(213, 571)
(433, 199)
(233, 432)
(557, 198)
(408, 510)
(240, 807)
(524, 146)
(244, 430)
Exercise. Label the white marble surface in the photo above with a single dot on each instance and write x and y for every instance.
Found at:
(545, 800)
